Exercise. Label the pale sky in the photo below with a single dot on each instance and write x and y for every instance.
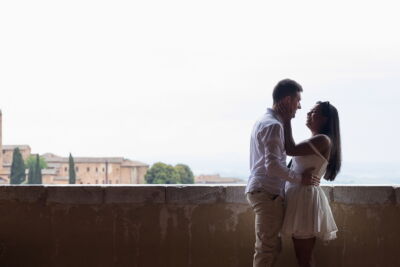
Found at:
(184, 81)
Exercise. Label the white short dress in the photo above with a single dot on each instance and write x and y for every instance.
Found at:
(307, 212)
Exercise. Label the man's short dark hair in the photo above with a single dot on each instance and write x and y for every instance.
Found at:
(284, 88)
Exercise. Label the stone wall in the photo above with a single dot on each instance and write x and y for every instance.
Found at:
(8, 154)
(176, 226)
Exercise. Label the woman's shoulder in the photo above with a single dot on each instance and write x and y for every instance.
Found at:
(322, 142)
(320, 139)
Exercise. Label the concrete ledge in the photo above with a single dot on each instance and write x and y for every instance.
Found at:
(235, 194)
(22, 193)
(195, 194)
(134, 194)
(198, 225)
(397, 194)
(180, 194)
(364, 194)
(75, 194)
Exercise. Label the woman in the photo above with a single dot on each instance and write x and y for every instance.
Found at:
(308, 214)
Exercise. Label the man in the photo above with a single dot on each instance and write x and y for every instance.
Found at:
(265, 187)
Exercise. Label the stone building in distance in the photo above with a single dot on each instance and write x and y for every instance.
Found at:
(93, 170)
(89, 170)
(6, 158)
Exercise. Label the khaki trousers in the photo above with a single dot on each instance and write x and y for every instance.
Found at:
(269, 212)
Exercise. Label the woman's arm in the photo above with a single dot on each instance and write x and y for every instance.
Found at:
(320, 141)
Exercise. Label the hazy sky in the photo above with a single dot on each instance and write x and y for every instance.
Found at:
(184, 81)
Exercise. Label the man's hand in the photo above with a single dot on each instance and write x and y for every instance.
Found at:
(307, 178)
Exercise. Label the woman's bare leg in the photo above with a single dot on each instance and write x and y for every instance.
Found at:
(304, 249)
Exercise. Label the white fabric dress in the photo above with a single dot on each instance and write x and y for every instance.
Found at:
(308, 213)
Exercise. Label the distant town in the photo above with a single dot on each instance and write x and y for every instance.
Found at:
(21, 166)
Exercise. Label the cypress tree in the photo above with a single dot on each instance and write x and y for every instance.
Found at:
(17, 175)
(71, 170)
(38, 172)
(31, 175)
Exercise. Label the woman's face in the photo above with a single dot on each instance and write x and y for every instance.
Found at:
(315, 119)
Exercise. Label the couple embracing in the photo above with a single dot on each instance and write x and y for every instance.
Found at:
(288, 200)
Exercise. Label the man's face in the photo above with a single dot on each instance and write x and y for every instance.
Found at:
(294, 104)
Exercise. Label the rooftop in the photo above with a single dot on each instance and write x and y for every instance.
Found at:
(12, 147)
(52, 158)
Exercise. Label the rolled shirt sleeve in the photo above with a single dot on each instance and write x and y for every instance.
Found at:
(275, 158)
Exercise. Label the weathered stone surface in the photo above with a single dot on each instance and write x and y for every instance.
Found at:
(180, 235)
(195, 194)
(235, 194)
(135, 194)
(397, 194)
(363, 194)
(328, 190)
(75, 194)
(22, 193)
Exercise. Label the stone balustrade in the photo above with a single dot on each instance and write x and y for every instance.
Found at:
(179, 226)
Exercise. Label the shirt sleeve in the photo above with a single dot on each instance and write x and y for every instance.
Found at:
(272, 138)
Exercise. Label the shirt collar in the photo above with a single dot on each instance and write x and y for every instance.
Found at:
(274, 114)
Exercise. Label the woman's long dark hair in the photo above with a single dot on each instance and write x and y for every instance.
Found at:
(332, 130)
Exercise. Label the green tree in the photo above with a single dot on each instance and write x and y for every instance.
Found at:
(17, 175)
(37, 177)
(161, 173)
(71, 170)
(185, 174)
(31, 175)
(31, 162)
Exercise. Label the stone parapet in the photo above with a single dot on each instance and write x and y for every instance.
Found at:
(179, 226)
(180, 194)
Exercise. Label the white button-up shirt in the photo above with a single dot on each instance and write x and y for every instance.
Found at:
(268, 157)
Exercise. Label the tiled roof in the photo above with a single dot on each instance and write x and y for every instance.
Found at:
(52, 158)
(133, 163)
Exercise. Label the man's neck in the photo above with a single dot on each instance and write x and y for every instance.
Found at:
(277, 113)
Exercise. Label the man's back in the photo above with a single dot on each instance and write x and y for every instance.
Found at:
(266, 149)
(269, 173)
